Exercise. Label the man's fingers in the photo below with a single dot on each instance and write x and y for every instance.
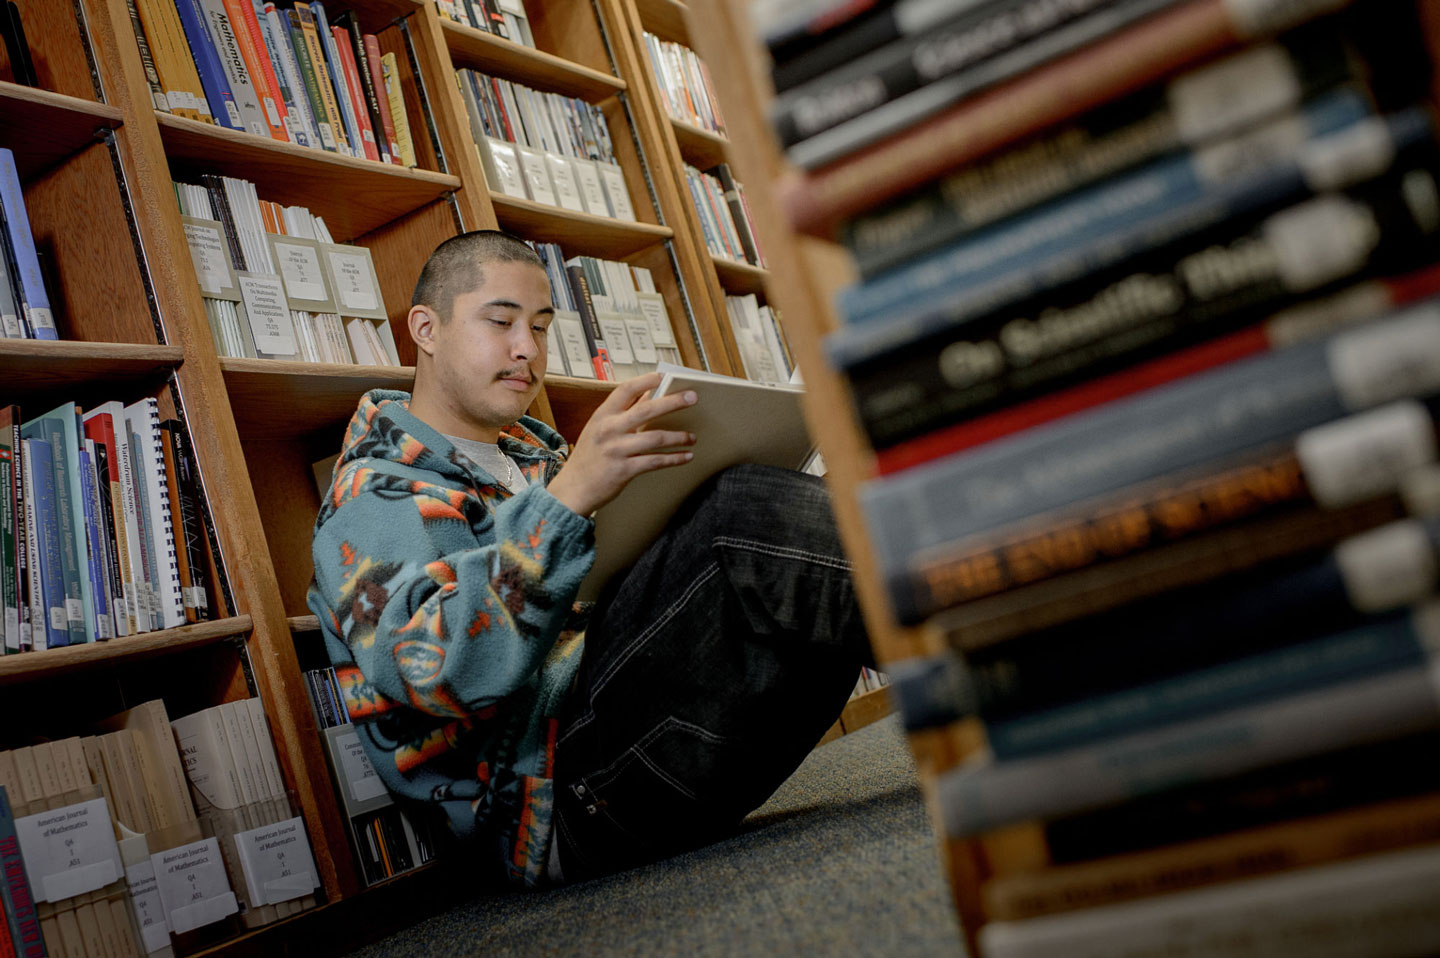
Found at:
(630, 391)
(662, 460)
(648, 410)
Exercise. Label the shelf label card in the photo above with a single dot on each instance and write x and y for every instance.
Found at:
(207, 252)
(193, 888)
(360, 776)
(357, 288)
(537, 177)
(69, 851)
(641, 341)
(616, 190)
(268, 313)
(570, 328)
(511, 181)
(592, 192)
(277, 862)
(617, 340)
(653, 306)
(567, 190)
(304, 275)
(149, 910)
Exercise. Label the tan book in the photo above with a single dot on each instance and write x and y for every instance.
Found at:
(75, 916)
(171, 53)
(270, 763)
(163, 777)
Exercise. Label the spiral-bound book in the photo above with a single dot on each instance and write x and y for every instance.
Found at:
(142, 422)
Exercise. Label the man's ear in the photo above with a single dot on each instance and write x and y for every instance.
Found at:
(423, 322)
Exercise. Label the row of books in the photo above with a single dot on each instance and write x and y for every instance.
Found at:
(283, 73)
(684, 83)
(24, 300)
(724, 214)
(870, 680)
(101, 524)
(1145, 343)
(276, 285)
(503, 18)
(388, 839)
(610, 323)
(105, 854)
(544, 147)
(760, 339)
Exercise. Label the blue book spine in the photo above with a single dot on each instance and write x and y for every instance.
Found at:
(96, 565)
(15, 896)
(1238, 407)
(40, 491)
(147, 527)
(1099, 228)
(71, 518)
(336, 70)
(207, 64)
(981, 796)
(1381, 646)
(297, 103)
(34, 300)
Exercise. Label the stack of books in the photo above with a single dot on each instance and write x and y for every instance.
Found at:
(760, 340)
(290, 74)
(102, 534)
(544, 147)
(610, 323)
(276, 285)
(503, 18)
(1147, 345)
(24, 301)
(684, 84)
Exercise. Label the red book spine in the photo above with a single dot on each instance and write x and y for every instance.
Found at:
(377, 79)
(356, 92)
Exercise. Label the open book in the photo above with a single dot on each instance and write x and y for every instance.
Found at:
(735, 421)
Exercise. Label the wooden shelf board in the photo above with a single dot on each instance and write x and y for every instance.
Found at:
(375, 15)
(699, 147)
(578, 233)
(43, 128)
(274, 399)
(499, 57)
(740, 278)
(866, 708)
(665, 19)
(32, 666)
(354, 196)
(30, 365)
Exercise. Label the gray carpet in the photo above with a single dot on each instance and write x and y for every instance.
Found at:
(840, 861)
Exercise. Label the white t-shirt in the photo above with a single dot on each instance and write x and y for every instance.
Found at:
(487, 456)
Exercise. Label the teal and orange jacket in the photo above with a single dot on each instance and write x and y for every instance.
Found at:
(447, 606)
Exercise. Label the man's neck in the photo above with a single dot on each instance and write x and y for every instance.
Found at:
(448, 422)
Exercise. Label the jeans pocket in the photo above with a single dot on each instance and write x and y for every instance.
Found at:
(669, 790)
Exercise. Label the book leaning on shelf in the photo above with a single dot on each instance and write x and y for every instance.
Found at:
(25, 311)
(104, 531)
(276, 285)
(684, 84)
(1145, 343)
(544, 147)
(291, 74)
(389, 839)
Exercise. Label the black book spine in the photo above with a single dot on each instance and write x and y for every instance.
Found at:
(367, 84)
(191, 520)
(585, 306)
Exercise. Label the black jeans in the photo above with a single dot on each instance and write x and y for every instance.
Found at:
(710, 670)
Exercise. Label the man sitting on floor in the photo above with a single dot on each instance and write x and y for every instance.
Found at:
(566, 741)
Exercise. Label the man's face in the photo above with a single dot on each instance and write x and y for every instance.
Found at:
(489, 359)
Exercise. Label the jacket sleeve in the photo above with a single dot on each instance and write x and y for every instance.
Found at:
(439, 616)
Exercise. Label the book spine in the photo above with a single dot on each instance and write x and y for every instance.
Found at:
(335, 75)
(70, 526)
(111, 534)
(1161, 202)
(366, 76)
(257, 63)
(1339, 836)
(314, 48)
(1378, 904)
(872, 81)
(811, 41)
(300, 47)
(275, 42)
(12, 324)
(145, 423)
(191, 519)
(345, 53)
(382, 101)
(222, 33)
(979, 798)
(834, 139)
(15, 895)
(213, 79)
(585, 306)
(1222, 282)
(390, 70)
(10, 548)
(147, 61)
(97, 565)
(1377, 648)
(1238, 407)
(24, 541)
(1060, 91)
(45, 520)
(30, 283)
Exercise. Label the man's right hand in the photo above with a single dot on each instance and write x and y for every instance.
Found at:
(615, 447)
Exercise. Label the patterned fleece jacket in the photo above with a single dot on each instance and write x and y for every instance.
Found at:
(446, 604)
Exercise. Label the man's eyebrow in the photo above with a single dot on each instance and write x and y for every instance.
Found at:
(511, 304)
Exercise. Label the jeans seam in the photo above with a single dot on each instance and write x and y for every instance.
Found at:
(783, 552)
(644, 637)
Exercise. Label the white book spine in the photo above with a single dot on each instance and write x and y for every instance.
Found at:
(143, 418)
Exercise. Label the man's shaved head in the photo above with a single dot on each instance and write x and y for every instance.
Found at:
(457, 266)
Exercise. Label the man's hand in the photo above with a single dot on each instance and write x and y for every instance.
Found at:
(614, 447)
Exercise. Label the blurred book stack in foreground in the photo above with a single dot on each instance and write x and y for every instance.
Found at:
(1146, 345)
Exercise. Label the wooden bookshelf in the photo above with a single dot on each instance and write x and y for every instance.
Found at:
(702, 149)
(53, 663)
(278, 400)
(582, 233)
(665, 19)
(43, 128)
(499, 57)
(33, 366)
(737, 279)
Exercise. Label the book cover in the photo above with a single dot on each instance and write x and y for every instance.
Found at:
(30, 282)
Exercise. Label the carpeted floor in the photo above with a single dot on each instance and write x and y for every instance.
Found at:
(840, 861)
